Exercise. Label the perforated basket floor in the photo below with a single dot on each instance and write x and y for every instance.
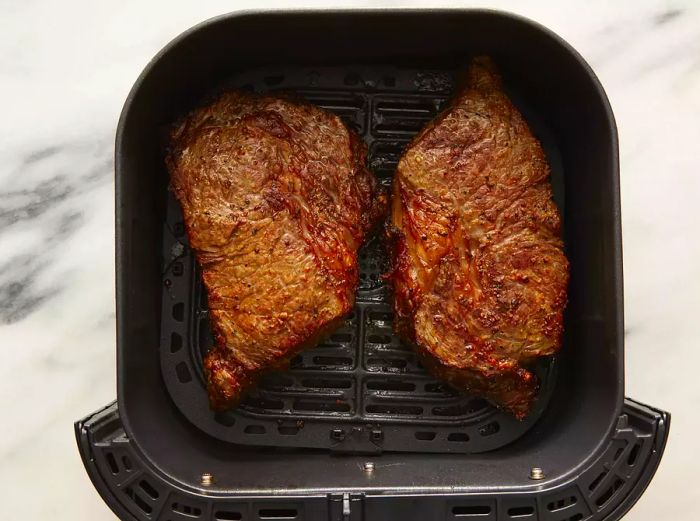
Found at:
(362, 390)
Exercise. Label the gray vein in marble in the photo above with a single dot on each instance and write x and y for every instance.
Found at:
(53, 206)
(667, 16)
(19, 296)
(40, 154)
(31, 203)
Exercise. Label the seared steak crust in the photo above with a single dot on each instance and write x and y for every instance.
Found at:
(276, 201)
(479, 271)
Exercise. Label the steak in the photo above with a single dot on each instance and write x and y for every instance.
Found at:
(276, 201)
(478, 267)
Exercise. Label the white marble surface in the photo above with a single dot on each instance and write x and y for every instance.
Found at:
(65, 69)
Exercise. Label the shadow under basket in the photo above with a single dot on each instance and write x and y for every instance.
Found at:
(356, 429)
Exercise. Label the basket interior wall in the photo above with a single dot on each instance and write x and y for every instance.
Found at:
(558, 87)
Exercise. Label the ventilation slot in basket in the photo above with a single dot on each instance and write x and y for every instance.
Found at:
(381, 316)
(373, 264)
(349, 107)
(437, 387)
(148, 489)
(391, 386)
(185, 509)
(305, 405)
(618, 453)
(278, 513)
(402, 410)
(471, 511)
(333, 361)
(175, 342)
(554, 506)
(594, 484)
(112, 463)
(141, 503)
(386, 365)
(379, 339)
(179, 311)
(463, 409)
(517, 512)
(385, 156)
(341, 338)
(490, 429)
(276, 382)
(575, 517)
(260, 403)
(321, 383)
(403, 116)
(183, 373)
(609, 493)
(634, 454)
(126, 461)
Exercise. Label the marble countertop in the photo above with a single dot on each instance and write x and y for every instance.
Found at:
(65, 70)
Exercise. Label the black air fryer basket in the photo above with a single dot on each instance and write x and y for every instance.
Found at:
(356, 429)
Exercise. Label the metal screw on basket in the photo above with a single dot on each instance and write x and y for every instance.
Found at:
(206, 479)
(536, 473)
(368, 467)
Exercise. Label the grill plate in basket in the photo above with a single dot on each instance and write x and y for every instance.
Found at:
(362, 389)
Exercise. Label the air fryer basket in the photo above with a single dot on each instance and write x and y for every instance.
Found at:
(597, 451)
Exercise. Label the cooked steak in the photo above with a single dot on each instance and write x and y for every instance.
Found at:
(276, 201)
(479, 271)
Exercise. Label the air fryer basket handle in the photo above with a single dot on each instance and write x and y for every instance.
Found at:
(609, 486)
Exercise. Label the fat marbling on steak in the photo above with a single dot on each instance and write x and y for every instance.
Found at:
(479, 271)
(276, 201)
